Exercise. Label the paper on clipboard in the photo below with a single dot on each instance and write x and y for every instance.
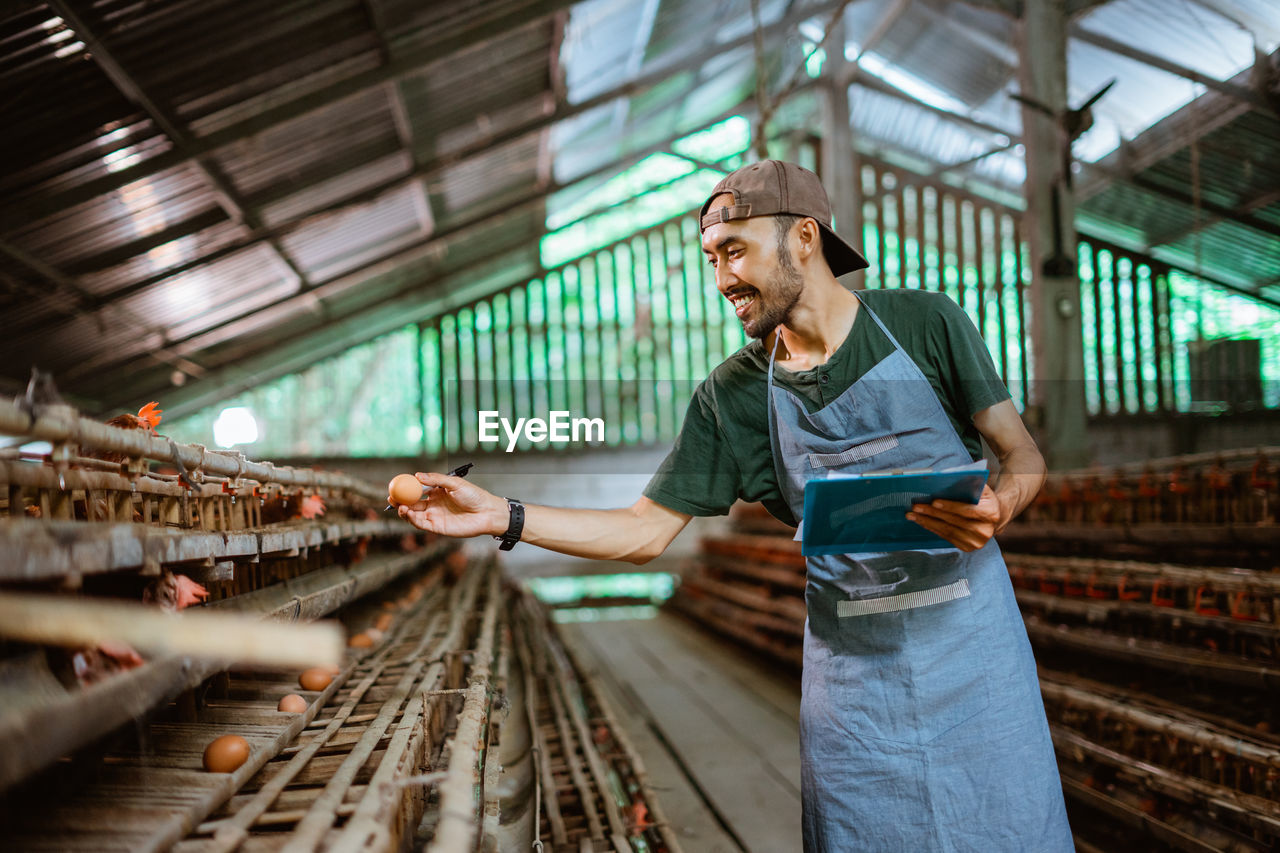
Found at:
(856, 513)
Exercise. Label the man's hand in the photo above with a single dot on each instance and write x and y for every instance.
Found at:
(456, 507)
(967, 526)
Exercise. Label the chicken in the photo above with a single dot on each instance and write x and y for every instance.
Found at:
(312, 507)
(94, 665)
(169, 592)
(174, 592)
(148, 418)
(283, 507)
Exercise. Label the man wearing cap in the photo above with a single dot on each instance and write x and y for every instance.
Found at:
(921, 722)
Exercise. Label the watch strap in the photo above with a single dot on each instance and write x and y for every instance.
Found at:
(515, 527)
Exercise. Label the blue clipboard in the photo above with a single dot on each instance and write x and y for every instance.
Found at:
(859, 514)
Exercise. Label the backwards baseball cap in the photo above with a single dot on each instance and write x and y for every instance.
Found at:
(771, 187)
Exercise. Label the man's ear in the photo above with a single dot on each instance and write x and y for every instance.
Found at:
(808, 238)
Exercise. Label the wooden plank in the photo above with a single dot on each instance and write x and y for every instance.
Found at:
(771, 727)
(197, 632)
(695, 825)
(44, 549)
(738, 749)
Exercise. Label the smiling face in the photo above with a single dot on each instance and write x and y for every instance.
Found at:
(753, 269)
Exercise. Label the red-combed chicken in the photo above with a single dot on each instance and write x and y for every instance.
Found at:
(148, 418)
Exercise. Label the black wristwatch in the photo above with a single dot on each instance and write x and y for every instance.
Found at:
(514, 528)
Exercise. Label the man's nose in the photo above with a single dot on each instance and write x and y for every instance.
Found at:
(725, 279)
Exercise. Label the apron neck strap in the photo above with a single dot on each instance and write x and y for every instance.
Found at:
(888, 334)
(773, 354)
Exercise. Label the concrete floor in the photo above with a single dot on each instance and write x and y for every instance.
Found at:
(715, 727)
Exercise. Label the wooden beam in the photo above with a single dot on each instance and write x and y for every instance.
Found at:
(993, 46)
(1056, 411)
(1231, 89)
(875, 84)
(1262, 29)
(841, 176)
(1167, 137)
(230, 638)
(1218, 211)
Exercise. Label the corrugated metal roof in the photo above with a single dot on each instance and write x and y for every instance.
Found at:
(369, 145)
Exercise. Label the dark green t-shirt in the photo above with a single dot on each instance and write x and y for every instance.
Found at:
(722, 452)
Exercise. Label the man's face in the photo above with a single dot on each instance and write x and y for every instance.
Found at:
(752, 271)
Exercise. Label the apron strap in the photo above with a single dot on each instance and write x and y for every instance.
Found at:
(888, 334)
(773, 438)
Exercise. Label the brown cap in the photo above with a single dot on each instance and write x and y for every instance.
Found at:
(772, 186)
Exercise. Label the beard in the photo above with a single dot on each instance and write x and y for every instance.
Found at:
(772, 307)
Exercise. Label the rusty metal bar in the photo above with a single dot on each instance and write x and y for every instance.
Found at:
(58, 424)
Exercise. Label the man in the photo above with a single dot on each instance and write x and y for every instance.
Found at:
(922, 726)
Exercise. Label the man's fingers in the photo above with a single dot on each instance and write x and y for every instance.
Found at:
(958, 508)
(936, 525)
(443, 481)
(962, 536)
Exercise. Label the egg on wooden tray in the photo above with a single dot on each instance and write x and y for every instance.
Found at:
(316, 678)
(366, 639)
(292, 704)
(225, 754)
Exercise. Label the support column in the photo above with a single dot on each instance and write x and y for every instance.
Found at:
(1056, 411)
(839, 160)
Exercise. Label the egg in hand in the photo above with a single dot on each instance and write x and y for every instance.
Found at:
(404, 489)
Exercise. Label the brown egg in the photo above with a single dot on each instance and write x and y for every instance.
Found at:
(404, 489)
(292, 704)
(317, 678)
(384, 621)
(225, 754)
(360, 641)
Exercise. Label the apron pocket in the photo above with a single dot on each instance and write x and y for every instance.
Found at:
(857, 453)
(903, 676)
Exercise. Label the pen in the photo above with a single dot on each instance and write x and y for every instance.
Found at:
(460, 471)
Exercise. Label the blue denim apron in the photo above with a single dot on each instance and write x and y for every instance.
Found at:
(921, 722)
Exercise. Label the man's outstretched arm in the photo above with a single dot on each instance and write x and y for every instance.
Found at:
(458, 507)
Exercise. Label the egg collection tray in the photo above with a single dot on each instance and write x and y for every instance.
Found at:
(1159, 679)
(466, 722)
